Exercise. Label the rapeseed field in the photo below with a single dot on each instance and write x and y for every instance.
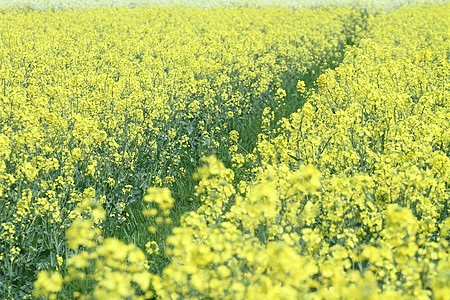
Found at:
(225, 151)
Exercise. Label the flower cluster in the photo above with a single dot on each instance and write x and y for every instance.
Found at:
(114, 269)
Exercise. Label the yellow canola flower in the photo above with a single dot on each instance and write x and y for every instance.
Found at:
(114, 287)
(400, 219)
(82, 233)
(48, 284)
(445, 228)
(261, 203)
(306, 180)
(152, 247)
(160, 196)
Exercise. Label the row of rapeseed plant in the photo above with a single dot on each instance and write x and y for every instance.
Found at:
(348, 198)
(345, 198)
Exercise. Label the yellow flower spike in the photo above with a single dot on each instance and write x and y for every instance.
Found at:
(152, 229)
(152, 247)
(234, 136)
(445, 228)
(263, 201)
(98, 214)
(79, 261)
(81, 233)
(59, 260)
(301, 87)
(150, 212)
(160, 196)
(47, 284)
